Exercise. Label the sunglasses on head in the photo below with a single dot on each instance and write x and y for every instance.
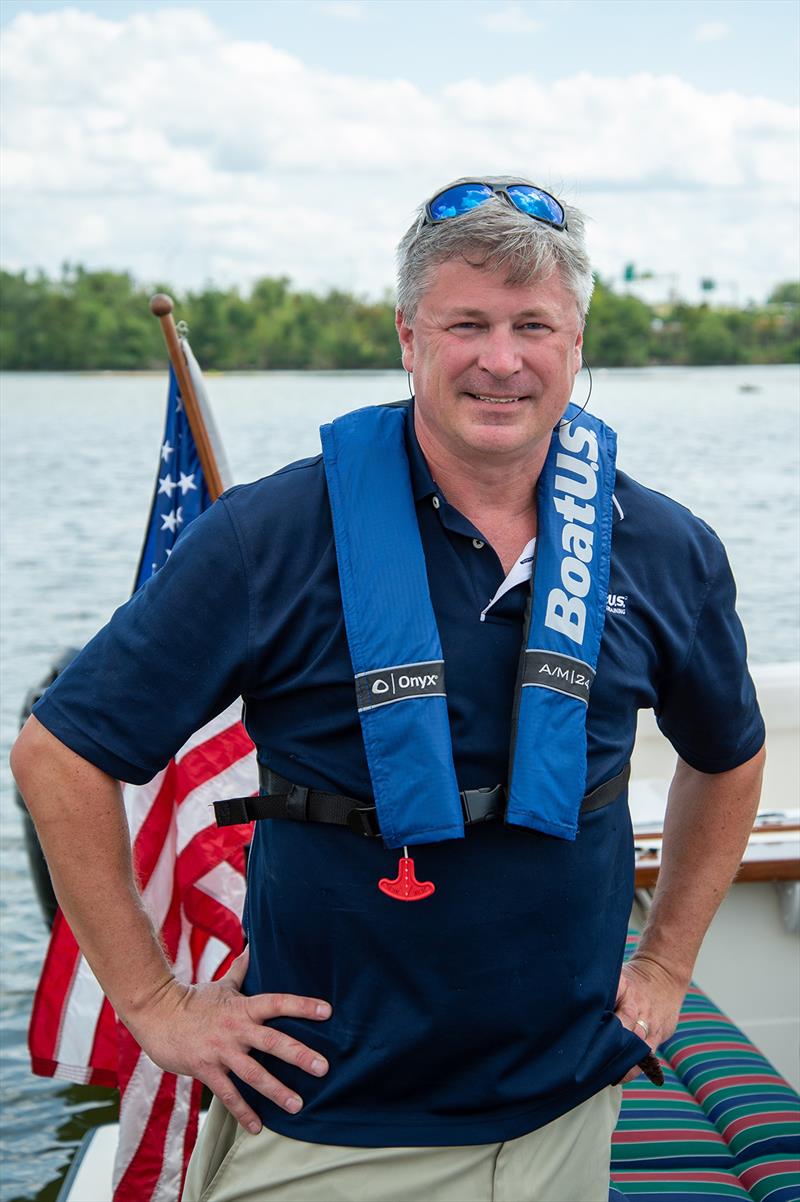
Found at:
(532, 201)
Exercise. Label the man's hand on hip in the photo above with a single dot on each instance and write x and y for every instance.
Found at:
(203, 1031)
(708, 820)
(208, 1031)
(649, 994)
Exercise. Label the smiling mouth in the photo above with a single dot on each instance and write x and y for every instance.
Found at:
(495, 400)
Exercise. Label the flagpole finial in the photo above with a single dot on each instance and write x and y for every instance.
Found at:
(160, 304)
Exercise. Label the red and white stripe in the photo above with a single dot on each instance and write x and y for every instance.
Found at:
(192, 877)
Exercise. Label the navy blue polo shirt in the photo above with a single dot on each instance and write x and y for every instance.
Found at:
(486, 1010)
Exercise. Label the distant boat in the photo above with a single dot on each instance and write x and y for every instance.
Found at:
(749, 388)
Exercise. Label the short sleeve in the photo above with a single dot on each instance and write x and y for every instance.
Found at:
(167, 662)
(708, 709)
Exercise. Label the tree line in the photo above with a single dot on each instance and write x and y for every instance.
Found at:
(100, 320)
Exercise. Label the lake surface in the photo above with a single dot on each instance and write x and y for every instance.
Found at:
(79, 455)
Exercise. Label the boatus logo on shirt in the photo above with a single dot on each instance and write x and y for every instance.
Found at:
(576, 480)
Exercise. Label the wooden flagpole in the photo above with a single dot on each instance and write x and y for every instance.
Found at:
(161, 307)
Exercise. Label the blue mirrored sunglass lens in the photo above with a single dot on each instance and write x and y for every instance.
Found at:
(536, 203)
(458, 200)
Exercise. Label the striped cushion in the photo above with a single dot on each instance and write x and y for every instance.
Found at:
(665, 1147)
(753, 1107)
(677, 1185)
(725, 1125)
(772, 1179)
(666, 1129)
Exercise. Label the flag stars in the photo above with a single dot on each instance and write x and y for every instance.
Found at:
(167, 485)
(186, 484)
(166, 451)
(170, 521)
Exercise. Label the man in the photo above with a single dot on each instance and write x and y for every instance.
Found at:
(466, 1046)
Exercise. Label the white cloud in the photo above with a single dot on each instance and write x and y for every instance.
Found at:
(512, 19)
(712, 31)
(343, 10)
(158, 143)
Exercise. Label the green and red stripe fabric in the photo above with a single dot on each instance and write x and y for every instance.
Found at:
(678, 1185)
(725, 1125)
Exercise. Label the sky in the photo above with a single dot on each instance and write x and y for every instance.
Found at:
(199, 141)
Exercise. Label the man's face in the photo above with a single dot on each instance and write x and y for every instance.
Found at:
(493, 365)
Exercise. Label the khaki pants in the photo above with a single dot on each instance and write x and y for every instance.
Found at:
(566, 1161)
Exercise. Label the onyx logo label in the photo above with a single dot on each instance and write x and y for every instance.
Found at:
(405, 682)
(399, 684)
(617, 603)
(418, 682)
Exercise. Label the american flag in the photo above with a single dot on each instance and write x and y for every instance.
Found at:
(181, 492)
(191, 874)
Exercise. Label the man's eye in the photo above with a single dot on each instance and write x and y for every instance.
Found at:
(465, 325)
(534, 325)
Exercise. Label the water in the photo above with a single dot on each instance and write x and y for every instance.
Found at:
(78, 461)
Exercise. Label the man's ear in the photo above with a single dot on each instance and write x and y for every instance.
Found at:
(406, 335)
(578, 353)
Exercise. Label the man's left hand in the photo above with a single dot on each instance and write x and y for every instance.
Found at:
(648, 992)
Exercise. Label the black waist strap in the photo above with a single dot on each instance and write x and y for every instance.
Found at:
(282, 799)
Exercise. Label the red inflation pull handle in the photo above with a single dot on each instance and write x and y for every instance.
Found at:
(406, 887)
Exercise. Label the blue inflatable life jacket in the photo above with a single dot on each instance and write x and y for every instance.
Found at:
(394, 642)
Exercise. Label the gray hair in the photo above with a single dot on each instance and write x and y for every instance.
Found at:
(494, 235)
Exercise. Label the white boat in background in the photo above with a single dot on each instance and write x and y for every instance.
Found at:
(749, 963)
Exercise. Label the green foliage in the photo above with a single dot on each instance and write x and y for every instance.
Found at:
(83, 321)
(617, 330)
(100, 320)
(785, 294)
(704, 335)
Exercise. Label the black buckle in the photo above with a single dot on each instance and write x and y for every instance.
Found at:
(364, 821)
(231, 811)
(481, 805)
(297, 803)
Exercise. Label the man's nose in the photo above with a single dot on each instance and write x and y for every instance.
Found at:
(499, 354)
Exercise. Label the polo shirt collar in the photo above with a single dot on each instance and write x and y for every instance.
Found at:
(422, 482)
(424, 486)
